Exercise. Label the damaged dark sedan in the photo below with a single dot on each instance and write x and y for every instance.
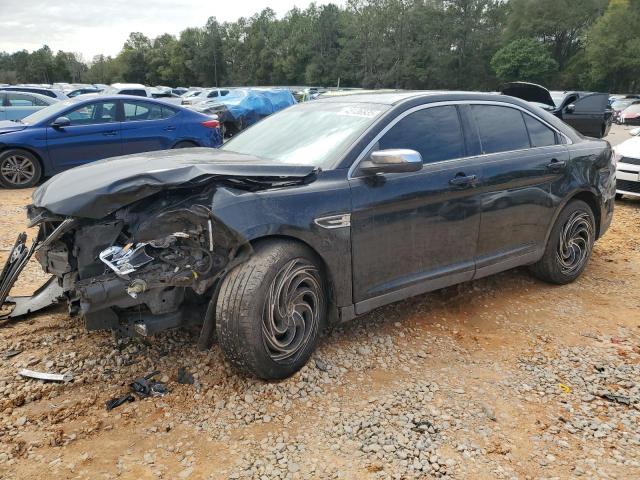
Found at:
(315, 215)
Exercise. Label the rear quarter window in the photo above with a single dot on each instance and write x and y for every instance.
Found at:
(539, 134)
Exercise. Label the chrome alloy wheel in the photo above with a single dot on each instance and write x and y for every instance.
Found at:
(576, 241)
(292, 310)
(17, 169)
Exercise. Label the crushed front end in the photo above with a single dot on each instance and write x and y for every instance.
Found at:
(144, 268)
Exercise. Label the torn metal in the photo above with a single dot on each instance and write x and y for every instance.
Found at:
(134, 246)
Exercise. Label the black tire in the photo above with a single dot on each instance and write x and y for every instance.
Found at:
(569, 246)
(246, 311)
(185, 144)
(19, 169)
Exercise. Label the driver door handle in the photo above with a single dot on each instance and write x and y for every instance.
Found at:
(462, 180)
(110, 133)
(556, 164)
(170, 128)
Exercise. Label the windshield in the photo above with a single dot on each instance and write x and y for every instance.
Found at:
(558, 98)
(47, 112)
(308, 134)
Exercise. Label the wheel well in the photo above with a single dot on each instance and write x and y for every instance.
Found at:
(195, 144)
(590, 199)
(323, 265)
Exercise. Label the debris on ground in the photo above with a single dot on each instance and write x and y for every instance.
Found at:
(146, 387)
(117, 401)
(47, 377)
(184, 377)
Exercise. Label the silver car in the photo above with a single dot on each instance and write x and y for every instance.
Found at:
(17, 105)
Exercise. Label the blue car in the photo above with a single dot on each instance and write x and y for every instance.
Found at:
(74, 132)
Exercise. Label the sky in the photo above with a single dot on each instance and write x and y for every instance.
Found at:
(90, 27)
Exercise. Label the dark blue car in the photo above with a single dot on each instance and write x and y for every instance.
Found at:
(74, 132)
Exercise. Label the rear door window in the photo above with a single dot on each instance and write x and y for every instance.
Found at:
(501, 129)
(539, 134)
(434, 132)
(21, 100)
(139, 111)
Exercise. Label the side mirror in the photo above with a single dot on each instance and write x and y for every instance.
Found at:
(570, 108)
(61, 122)
(392, 161)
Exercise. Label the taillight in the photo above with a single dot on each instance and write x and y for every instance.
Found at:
(211, 124)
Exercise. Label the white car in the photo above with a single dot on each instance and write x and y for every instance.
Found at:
(627, 155)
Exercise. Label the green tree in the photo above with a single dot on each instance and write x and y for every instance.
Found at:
(558, 24)
(613, 48)
(526, 59)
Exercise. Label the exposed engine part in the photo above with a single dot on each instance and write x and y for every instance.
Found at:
(135, 287)
(127, 259)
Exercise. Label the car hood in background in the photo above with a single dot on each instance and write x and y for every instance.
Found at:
(100, 188)
(529, 92)
(629, 148)
(7, 126)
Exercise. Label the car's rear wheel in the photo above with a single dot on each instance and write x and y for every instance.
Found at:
(271, 310)
(570, 245)
(185, 144)
(19, 169)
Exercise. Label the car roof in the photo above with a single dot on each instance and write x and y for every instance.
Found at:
(32, 93)
(400, 96)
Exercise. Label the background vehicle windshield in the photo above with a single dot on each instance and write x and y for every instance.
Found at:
(307, 134)
(558, 98)
(46, 112)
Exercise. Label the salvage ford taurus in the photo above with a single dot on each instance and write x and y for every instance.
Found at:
(315, 215)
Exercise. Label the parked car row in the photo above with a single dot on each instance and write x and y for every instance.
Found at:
(76, 131)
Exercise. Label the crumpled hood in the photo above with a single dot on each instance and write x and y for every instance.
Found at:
(7, 126)
(100, 188)
(529, 92)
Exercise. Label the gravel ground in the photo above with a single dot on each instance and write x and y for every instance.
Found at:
(505, 377)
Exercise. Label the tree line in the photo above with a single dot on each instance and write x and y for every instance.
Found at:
(413, 44)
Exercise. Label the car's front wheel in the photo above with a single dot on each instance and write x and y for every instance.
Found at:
(271, 310)
(570, 245)
(19, 169)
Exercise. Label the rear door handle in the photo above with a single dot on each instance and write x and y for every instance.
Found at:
(556, 164)
(110, 133)
(170, 128)
(462, 180)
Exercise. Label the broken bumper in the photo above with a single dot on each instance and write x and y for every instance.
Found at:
(48, 294)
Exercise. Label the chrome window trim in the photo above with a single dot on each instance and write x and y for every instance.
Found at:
(417, 108)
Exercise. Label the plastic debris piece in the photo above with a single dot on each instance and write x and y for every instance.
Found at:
(564, 388)
(621, 399)
(47, 377)
(146, 387)
(117, 401)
